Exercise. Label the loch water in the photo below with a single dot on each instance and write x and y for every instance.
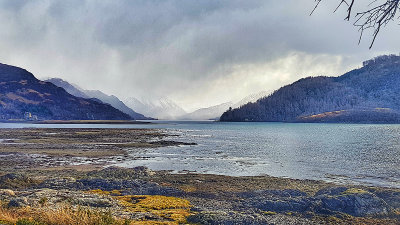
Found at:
(367, 154)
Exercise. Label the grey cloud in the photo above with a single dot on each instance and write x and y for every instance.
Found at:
(14, 5)
(174, 47)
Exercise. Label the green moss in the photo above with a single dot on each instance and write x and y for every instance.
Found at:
(101, 192)
(269, 213)
(352, 191)
(171, 208)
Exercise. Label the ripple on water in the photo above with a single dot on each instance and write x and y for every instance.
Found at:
(341, 153)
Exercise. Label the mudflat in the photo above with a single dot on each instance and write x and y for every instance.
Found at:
(48, 148)
(91, 122)
(45, 170)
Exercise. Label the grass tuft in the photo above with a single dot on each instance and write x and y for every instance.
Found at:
(352, 191)
(60, 216)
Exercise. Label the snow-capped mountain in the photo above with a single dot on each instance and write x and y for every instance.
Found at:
(214, 112)
(251, 98)
(162, 108)
(115, 102)
(96, 95)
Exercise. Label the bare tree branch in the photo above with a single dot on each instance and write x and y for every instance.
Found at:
(379, 14)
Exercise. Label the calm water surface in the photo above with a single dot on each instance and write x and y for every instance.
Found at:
(343, 153)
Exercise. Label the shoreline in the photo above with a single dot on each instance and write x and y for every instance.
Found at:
(78, 122)
(100, 144)
(38, 163)
(213, 199)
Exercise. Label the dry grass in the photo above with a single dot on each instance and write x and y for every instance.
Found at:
(188, 188)
(171, 210)
(61, 216)
(101, 192)
(8, 216)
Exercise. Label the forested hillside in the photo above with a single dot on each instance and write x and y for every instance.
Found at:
(368, 94)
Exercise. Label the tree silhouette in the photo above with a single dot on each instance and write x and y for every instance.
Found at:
(377, 16)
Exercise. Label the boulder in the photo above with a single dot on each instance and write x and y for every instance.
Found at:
(129, 187)
(355, 202)
(248, 218)
(329, 201)
(93, 202)
(278, 200)
(18, 202)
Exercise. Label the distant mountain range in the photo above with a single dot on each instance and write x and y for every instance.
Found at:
(209, 113)
(97, 96)
(370, 94)
(214, 112)
(163, 108)
(22, 96)
(70, 88)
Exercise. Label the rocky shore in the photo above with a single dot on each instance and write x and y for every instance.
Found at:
(74, 148)
(35, 189)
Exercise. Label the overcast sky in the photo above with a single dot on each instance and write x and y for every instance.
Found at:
(196, 52)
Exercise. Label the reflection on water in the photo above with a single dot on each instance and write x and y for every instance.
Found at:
(343, 153)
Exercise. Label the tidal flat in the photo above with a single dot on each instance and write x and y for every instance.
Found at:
(66, 176)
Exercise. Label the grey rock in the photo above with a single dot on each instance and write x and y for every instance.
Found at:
(327, 201)
(129, 187)
(60, 183)
(93, 202)
(362, 204)
(248, 218)
(331, 191)
(278, 200)
(391, 197)
(18, 202)
(274, 193)
(281, 205)
(122, 173)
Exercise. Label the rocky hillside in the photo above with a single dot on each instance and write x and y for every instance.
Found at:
(98, 96)
(115, 102)
(70, 88)
(370, 94)
(22, 96)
